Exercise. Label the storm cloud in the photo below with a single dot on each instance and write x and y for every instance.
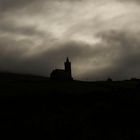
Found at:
(101, 37)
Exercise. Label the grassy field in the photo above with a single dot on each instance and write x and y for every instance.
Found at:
(37, 108)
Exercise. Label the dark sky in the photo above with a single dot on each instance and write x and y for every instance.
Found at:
(101, 37)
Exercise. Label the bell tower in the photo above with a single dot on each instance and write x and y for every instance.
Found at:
(68, 67)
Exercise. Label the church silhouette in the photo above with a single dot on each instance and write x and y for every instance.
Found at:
(62, 74)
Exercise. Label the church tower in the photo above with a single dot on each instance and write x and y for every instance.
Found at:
(68, 67)
(62, 74)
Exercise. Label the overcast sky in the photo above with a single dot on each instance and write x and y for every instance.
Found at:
(101, 37)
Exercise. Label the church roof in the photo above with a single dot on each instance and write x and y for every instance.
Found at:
(59, 71)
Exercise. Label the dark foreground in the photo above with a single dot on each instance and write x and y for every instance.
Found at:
(70, 110)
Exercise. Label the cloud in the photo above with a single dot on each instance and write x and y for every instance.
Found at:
(131, 1)
(14, 4)
(100, 37)
(121, 57)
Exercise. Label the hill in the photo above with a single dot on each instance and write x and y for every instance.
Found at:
(37, 107)
(16, 77)
(25, 84)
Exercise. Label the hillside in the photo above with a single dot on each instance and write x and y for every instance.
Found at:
(16, 77)
(23, 84)
(37, 107)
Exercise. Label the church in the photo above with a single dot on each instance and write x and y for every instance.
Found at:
(62, 74)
